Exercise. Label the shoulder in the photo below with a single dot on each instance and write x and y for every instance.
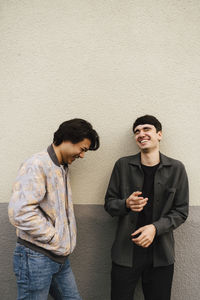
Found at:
(166, 160)
(131, 159)
(37, 162)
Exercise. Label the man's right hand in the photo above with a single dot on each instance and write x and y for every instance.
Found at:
(136, 203)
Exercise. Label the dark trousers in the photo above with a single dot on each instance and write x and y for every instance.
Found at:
(156, 282)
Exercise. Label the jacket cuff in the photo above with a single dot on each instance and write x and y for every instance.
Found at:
(158, 228)
(126, 208)
(123, 210)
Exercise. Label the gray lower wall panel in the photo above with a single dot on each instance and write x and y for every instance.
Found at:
(91, 259)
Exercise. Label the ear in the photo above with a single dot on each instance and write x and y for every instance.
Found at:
(159, 135)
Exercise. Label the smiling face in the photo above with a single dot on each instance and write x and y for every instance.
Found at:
(68, 152)
(147, 138)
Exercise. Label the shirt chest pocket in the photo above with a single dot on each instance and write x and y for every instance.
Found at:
(169, 199)
(163, 201)
(171, 193)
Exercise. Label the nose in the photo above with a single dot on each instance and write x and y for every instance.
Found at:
(141, 134)
(82, 154)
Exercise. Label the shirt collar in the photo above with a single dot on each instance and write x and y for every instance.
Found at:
(136, 160)
(53, 156)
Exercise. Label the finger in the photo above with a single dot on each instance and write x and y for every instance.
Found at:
(140, 239)
(134, 198)
(145, 245)
(136, 232)
(136, 193)
(138, 204)
(144, 200)
(138, 201)
(136, 242)
(139, 230)
(137, 210)
(142, 243)
(137, 207)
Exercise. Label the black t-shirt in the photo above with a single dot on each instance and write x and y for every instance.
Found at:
(145, 216)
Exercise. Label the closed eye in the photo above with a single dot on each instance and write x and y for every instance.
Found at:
(84, 149)
(146, 128)
(136, 131)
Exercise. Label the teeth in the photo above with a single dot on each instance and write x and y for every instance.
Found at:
(143, 141)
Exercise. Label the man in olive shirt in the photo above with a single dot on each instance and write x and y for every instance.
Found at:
(149, 193)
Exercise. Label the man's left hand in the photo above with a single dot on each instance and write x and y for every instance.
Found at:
(146, 237)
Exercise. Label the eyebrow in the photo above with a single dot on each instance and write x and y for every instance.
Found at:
(146, 127)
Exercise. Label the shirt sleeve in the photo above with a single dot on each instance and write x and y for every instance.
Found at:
(179, 210)
(24, 208)
(114, 204)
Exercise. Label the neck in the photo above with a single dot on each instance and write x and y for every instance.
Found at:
(58, 154)
(150, 159)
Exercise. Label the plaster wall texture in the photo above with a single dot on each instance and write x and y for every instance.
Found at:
(108, 62)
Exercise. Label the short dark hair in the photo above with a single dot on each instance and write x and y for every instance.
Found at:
(148, 119)
(75, 131)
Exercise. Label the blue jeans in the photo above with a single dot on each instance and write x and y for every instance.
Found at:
(37, 275)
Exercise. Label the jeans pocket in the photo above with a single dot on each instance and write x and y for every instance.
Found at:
(40, 271)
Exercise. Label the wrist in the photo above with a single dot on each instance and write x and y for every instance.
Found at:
(127, 203)
(154, 228)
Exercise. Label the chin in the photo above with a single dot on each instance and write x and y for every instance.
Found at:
(71, 161)
(145, 149)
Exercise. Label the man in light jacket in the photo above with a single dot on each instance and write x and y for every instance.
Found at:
(148, 192)
(41, 209)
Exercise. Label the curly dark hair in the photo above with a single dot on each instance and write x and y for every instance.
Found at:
(75, 131)
(148, 119)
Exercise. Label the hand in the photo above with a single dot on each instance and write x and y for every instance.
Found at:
(136, 203)
(147, 234)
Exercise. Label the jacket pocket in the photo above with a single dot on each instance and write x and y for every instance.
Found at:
(171, 194)
(168, 201)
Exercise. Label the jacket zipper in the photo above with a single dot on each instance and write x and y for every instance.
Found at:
(66, 209)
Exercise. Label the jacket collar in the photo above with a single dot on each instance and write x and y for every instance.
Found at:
(164, 160)
(53, 156)
(136, 160)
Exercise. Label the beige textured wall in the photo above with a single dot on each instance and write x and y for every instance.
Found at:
(108, 62)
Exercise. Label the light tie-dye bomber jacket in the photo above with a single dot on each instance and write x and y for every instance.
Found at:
(41, 205)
